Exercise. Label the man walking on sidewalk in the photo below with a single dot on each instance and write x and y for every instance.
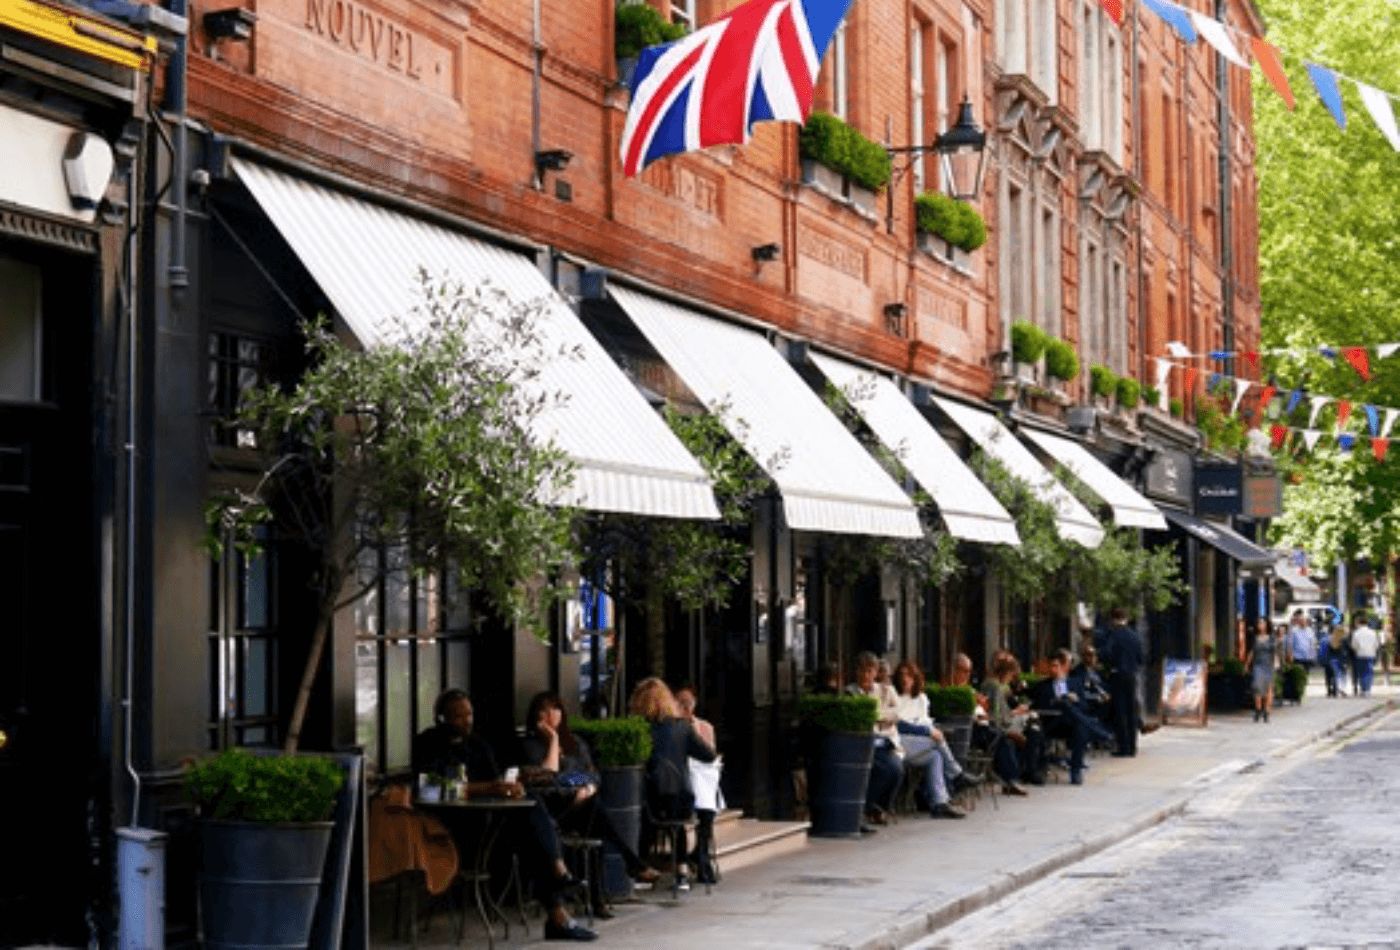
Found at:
(1365, 643)
(1122, 651)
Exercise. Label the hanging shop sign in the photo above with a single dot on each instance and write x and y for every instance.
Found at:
(1219, 488)
(1263, 496)
(1168, 476)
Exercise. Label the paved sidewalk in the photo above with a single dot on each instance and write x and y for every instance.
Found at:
(893, 887)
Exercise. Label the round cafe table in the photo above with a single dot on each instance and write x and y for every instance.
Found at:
(494, 813)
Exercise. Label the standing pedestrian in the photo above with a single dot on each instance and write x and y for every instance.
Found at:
(1339, 654)
(1261, 661)
(1302, 642)
(1122, 651)
(1365, 643)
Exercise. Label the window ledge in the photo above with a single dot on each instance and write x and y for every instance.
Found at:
(840, 189)
(940, 250)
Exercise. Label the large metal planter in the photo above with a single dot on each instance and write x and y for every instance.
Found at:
(258, 882)
(621, 797)
(838, 771)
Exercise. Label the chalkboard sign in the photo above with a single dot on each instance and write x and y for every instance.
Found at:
(1183, 692)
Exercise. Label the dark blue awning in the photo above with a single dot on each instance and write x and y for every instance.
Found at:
(1224, 539)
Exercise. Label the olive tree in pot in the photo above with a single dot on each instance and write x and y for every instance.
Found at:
(264, 831)
(838, 745)
(952, 708)
(620, 749)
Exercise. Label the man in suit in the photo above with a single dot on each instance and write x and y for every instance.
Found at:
(1086, 683)
(1122, 651)
(1061, 713)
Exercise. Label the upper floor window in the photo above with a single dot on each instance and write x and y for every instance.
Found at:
(918, 127)
(1100, 81)
(840, 75)
(237, 365)
(1027, 33)
(683, 13)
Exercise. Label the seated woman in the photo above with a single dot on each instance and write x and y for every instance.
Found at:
(704, 780)
(669, 794)
(924, 745)
(887, 764)
(1020, 753)
(561, 773)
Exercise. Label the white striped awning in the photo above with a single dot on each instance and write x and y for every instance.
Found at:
(1074, 521)
(1130, 509)
(828, 481)
(367, 258)
(968, 509)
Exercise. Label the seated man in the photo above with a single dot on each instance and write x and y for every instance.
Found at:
(887, 767)
(1086, 683)
(450, 743)
(1062, 714)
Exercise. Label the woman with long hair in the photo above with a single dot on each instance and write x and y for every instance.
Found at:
(563, 776)
(1262, 661)
(924, 744)
(673, 742)
(1020, 753)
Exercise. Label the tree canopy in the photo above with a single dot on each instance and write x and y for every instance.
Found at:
(1329, 249)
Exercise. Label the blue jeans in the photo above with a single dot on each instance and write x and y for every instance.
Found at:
(1339, 672)
(1365, 670)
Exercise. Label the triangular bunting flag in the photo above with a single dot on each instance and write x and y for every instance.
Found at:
(1252, 358)
(1373, 422)
(1378, 448)
(1175, 17)
(1266, 54)
(1346, 441)
(1114, 8)
(1188, 381)
(1387, 350)
(1213, 31)
(1295, 397)
(1178, 349)
(1277, 434)
(1377, 103)
(1219, 355)
(1164, 370)
(1266, 396)
(1241, 387)
(1310, 437)
(1317, 403)
(1360, 361)
(1328, 352)
(1325, 82)
(1390, 415)
(1212, 381)
(1343, 413)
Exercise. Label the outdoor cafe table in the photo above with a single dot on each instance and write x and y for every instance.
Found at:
(494, 813)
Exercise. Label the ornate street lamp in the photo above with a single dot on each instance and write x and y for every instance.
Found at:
(963, 151)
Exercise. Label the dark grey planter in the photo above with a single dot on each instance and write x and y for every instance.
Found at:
(957, 730)
(258, 882)
(838, 771)
(621, 798)
(626, 69)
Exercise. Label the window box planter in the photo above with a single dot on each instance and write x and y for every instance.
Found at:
(935, 246)
(862, 199)
(843, 164)
(826, 180)
(626, 69)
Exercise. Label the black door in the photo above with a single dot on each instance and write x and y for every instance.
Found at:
(49, 635)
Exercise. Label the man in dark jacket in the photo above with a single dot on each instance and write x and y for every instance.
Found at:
(1122, 651)
(1061, 713)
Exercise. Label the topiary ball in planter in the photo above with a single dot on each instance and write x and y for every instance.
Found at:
(1102, 381)
(1128, 393)
(1027, 342)
(1061, 362)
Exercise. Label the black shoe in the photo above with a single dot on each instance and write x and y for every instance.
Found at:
(1076, 777)
(945, 811)
(573, 930)
(867, 829)
(1037, 779)
(706, 873)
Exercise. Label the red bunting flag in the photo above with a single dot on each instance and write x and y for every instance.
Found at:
(1272, 65)
(1378, 447)
(1266, 396)
(1343, 413)
(1114, 8)
(1189, 383)
(1252, 358)
(1360, 361)
(1277, 434)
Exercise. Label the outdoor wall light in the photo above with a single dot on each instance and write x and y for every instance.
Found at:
(963, 149)
(234, 23)
(894, 318)
(551, 160)
(766, 252)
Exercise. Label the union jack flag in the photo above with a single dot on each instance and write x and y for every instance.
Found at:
(757, 63)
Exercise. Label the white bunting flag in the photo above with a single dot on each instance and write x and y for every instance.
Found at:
(1215, 34)
(1164, 370)
(1177, 348)
(1378, 104)
(1241, 387)
(1310, 437)
(1386, 350)
(1390, 415)
(1317, 403)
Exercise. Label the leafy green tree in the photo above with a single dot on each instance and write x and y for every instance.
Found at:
(1329, 249)
(424, 448)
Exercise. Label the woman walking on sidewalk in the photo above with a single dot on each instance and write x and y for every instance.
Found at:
(1261, 660)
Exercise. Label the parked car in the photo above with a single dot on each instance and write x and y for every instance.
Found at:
(1320, 616)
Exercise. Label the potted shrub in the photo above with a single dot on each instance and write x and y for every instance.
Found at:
(1228, 687)
(952, 708)
(620, 748)
(1103, 382)
(1151, 397)
(1176, 408)
(955, 222)
(264, 831)
(1061, 362)
(637, 26)
(1128, 392)
(1027, 347)
(842, 163)
(1291, 682)
(838, 745)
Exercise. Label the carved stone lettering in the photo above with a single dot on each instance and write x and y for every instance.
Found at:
(942, 307)
(699, 190)
(833, 253)
(368, 33)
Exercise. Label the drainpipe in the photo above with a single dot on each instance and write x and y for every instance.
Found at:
(536, 81)
(1144, 305)
(178, 273)
(1227, 250)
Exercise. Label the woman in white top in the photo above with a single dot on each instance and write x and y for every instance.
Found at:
(924, 744)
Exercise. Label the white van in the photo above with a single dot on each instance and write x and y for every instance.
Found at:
(1320, 616)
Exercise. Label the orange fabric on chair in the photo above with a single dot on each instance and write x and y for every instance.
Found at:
(401, 839)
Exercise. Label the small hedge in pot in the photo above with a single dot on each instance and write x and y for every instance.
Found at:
(838, 713)
(639, 25)
(1027, 341)
(236, 785)
(616, 743)
(827, 139)
(1103, 381)
(954, 221)
(947, 702)
(1061, 362)
(1128, 393)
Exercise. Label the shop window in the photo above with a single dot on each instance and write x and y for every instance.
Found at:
(237, 365)
(21, 332)
(243, 649)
